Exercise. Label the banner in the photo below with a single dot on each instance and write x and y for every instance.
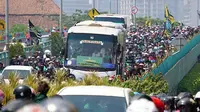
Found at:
(89, 61)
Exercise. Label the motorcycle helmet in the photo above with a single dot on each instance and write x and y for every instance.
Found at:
(22, 92)
(58, 105)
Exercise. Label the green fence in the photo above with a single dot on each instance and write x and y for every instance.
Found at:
(168, 63)
(28, 51)
(181, 68)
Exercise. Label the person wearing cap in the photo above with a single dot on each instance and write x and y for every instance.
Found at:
(42, 91)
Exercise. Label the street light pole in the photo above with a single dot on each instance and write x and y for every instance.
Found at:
(7, 27)
(61, 13)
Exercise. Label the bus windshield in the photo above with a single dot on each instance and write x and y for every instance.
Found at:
(110, 19)
(90, 50)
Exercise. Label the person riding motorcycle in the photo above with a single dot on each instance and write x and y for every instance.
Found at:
(186, 105)
(23, 96)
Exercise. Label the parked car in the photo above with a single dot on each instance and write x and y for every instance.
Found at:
(97, 98)
(21, 71)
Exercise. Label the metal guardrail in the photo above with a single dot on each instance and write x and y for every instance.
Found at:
(28, 51)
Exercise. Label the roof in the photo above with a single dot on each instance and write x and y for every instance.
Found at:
(94, 30)
(95, 91)
(18, 67)
(30, 7)
(35, 10)
(112, 15)
(102, 23)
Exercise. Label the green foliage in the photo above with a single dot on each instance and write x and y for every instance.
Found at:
(16, 49)
(141, 21)
(75, 17)
(57, 43)
(23, 28)
(191, 82)
(18, 28)
(175, 24)
(78, 16)
(151, 84)
(38, 48)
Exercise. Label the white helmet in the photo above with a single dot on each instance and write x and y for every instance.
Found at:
(197, 95)
(47, 52)
(47, 59)
(142, 105)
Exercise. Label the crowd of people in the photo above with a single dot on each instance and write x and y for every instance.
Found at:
(146, 45)
(43, 64)
(29, 100)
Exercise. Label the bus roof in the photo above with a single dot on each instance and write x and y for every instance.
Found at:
(94, 30)
(100, 23)
(112, 15)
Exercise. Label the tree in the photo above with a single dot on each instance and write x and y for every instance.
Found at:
(19, 28)
(37, 48)
(16, 49)
(57, 43)
(142, 21)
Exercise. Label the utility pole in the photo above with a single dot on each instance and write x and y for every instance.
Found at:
(7, 28)
(110, 7)
(61, 13)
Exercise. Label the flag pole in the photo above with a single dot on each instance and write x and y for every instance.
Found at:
(7, 29)
(135, 16)
(61, 12)
(197, 12)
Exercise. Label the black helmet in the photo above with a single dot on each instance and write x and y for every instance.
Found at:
(22, 92)
(186, 105)
(185, 101)
(59, 105)
(184, 95)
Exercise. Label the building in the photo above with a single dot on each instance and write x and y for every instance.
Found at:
(146, 8)
(70, 6)
(183, 10)
(38, 12)
(105, 6)
(190, 15)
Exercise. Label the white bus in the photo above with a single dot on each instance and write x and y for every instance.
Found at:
(94, 48)
(124, 20)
